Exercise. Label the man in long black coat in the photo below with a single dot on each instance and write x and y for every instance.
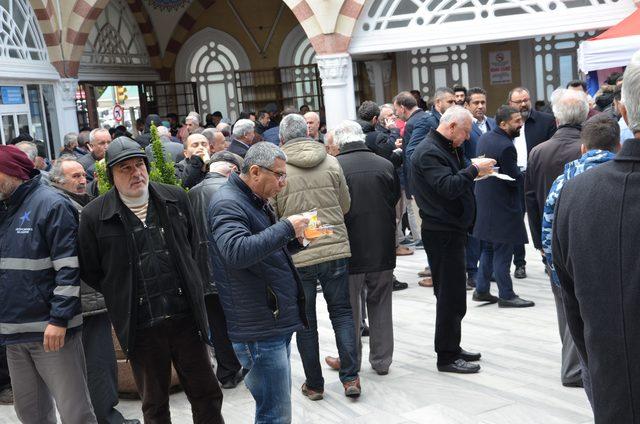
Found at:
(595, 245)
(371, 223)
(500, 208)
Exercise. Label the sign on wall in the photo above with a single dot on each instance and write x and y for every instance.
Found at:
(11, 95)
(500, 67)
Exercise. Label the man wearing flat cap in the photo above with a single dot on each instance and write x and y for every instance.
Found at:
(138, 247)
(40, 312)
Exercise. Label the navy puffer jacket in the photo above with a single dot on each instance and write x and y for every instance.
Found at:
(39, 273)
(259, 287)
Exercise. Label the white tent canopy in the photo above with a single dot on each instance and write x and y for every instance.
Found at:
(613, 48)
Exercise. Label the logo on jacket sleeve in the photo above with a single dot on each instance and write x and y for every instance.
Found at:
(25, 218)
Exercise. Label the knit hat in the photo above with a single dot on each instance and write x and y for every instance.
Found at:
(15, 162)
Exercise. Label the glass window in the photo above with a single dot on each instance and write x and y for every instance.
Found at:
(35, 108)
(8, 128)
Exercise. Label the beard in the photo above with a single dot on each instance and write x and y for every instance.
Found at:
(515, 132)
(525, 114)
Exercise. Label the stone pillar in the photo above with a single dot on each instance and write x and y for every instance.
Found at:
(65, 94)
(336, 72)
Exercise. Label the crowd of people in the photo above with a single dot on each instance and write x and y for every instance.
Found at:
(278, 210)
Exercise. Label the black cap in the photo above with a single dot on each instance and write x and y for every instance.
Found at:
(123, 148)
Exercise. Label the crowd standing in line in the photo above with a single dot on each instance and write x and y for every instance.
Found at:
(278, 209)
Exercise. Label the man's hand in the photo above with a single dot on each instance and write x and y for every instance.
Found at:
(485, 166)
(389, 123)
(398, 143)
(53, 338)
(299, 223)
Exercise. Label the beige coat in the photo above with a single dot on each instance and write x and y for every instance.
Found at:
(315, 181)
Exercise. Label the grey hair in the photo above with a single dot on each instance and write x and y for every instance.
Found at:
(292, 126)
(631, 92)
(29, 148)
(263, 154)
(570, 107)
(210, 133)
(193, 116)
(243, 127)
(441, 92)
(93, 134)
(70, 139)
(347, 132)
(162, 130)
(455, 114)
(55, 174)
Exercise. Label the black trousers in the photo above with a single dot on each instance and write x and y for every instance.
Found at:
(446, 252)
(176, 341)
(5, 380)
(228, 364)
(102, 374)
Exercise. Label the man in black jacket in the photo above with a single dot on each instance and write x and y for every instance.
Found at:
(537, 127)
(375, 189)
(222, 164)
(382, 143)
(69, 179)
(444, 193)
(499, 223)
(138, 247)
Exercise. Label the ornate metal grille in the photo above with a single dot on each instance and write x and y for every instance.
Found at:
(20, 36)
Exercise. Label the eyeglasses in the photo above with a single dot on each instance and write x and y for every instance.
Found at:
(519, 102)
(281, 176)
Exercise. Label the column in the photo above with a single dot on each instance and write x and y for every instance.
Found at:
(336, 72)
(379, 72)
(65, 95)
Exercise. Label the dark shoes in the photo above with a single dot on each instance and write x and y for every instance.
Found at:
(419, 245)
(131, 422)
(399, 285)
(469, 356)
(516, 302)
(364, 332)
(471, 283)
(312, 394)
(520, 272)
(578, 383)
(352, 388)
(460, 366)
(234, 381)
(6, 396)
(484, 297)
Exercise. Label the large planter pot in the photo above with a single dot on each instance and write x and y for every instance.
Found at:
(127, 388)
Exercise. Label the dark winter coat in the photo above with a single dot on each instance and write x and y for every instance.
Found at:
(471, 145)
(539, 127)
(545, 163)
(92, 301)
(443, 185)
(200, 197)
(596, 238)
(39, 274)
(371, 221)
(500, 206)
(415, 130)
(107, 262)
(382, 142)
(259, 287)
(189, 171)
(238, 148)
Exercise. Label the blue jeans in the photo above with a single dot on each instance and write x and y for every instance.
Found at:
(334, 279)
(473, 250)
(496, 258)
(269, 377)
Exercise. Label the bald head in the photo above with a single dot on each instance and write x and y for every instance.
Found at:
(313, 124)
(196, 144)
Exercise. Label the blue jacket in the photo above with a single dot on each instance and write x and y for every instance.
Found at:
(259, 287)
(588, 160)
(499, 202)
(470, 146)
(415, 131)
(39, 273)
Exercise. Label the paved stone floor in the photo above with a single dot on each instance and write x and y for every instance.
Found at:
(519, 382)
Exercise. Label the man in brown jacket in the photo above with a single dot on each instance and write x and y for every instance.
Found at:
(315, 181)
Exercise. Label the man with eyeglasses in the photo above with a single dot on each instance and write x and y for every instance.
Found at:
(259, 288)
(538, 127)
(139, 248)
(316, 182)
